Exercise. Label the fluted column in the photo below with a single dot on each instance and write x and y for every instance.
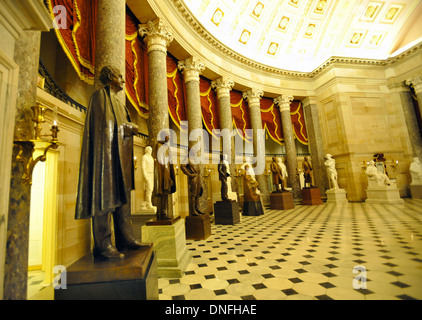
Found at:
(27, 52)
(316, 145)
(158, 38)
(110, 45)
(408, 107)
(416, 84)
(284, 102)
(253, 97)
(223, 87)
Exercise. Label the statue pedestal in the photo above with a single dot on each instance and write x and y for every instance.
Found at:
(281, 201)
(416, 191)
(169, 242)
(252, 208)
(311, 197)
(226, 212)
(198, 227)
(336, 196)
(132, 278)
(383, 195)
(139, 219)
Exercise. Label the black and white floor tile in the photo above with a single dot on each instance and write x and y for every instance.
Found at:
(353, 251)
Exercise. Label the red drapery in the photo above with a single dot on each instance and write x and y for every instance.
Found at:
(136, 66)
(298, 121)
(209, 106)
(271, 120)
(176, 92)
(240, 114)
(78, 38)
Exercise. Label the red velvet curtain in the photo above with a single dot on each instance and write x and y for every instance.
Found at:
(176, 92)
(298, 121)
(271, 120)
(78, 38)
(209, 105)
(136, 66)
(240, 114)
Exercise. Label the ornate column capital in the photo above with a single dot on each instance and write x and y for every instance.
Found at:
(254, 97)
(416, 83)
(158, 36)
(223, 86)
(398, 87)
(191, 68)
(284, 102)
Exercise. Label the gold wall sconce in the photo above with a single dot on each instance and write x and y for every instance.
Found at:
(37, 143)
(135, 162)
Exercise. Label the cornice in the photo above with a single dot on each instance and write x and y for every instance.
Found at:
(225, 51)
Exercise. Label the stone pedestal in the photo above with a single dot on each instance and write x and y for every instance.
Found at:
(416, 191)
(311, 197)
(336, 196)
(198, 227)
(281, 201)
(132, 278)
(383, 195)
(226, 212)
(169, 242)
(251, 208)
(139, 219)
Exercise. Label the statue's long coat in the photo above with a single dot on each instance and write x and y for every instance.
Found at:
(106, 174)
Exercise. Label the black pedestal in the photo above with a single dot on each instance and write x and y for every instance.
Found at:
(226, 212)
(132, 278)
(198, 227)
(251, 208)
(281, 201)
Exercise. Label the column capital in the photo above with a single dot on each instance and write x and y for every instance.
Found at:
(158, 35)
(398, 87)
(284, 102)
(416, 83)
(191, 68)
(253, 96)
(223, 86)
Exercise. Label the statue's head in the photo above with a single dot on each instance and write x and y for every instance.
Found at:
(148, 150)
(112, 77)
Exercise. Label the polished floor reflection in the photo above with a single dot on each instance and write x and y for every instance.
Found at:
(353, 251)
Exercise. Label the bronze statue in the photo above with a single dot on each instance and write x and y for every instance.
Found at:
(193, 171)
(307, 172)
(279, 173)
(223, 175)
(164, 178)
(250, 185)
(106, 175)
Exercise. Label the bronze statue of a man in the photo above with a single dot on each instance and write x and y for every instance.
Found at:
(193, 172)
(223, 174)
(106, 175)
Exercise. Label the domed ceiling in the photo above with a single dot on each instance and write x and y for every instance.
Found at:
(301, 35)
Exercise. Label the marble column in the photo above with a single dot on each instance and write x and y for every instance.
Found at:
(110, 45)
(158, 38)
(223, 86)
(27, 52)
(409, 114)
(316, 145)
(416, 84)
(253, 96)
(284, 102)
(191, 69)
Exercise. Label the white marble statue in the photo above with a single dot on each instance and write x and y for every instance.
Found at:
(416, 171)
(231, 194)
(375, 177)
(330, 165)
(148, 173)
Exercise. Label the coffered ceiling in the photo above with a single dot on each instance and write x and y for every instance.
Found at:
(300, 35)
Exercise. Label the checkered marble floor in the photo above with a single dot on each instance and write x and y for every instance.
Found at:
(310, 252)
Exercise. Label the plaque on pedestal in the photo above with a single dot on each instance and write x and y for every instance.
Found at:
(311, 196)
(226, 212)
(416, 191)
(198, 227)
(281, 201)
(169, 243)
(132, 278)
(253, 208)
